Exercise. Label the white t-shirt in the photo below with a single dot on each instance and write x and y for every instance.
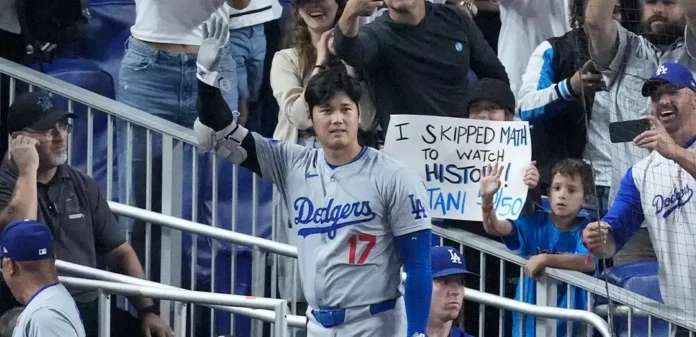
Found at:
(525, 25)
(172, 21)
(51, 312)
(8, 17)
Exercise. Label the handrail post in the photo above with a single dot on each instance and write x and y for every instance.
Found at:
(180, 319)
(546, 295)
(104, 314)
(280, 326)
(171, 250)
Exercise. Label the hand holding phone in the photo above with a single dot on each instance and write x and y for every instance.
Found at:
(626, 131)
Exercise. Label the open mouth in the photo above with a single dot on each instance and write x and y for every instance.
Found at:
(561, 205)
(316, 14)
(666, 113)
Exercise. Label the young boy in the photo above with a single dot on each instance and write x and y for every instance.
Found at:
(547, 239)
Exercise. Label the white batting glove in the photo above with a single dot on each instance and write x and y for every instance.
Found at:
(216, 33)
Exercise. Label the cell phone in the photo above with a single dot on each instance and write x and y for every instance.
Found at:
(621, 132)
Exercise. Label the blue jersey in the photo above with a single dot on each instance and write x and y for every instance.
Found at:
(536, 234)
(457, 332)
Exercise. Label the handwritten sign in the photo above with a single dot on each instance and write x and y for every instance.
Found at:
(450, 155)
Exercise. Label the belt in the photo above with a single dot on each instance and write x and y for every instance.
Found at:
(330, 318)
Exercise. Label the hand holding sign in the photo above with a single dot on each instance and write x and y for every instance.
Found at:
(451, 155)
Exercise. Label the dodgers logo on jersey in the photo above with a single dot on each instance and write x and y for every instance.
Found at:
(336, 216)
(669, 204)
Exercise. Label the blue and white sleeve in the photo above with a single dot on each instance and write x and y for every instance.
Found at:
(626, 214)
(541, 94)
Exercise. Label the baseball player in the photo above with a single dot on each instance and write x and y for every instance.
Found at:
(358, 214)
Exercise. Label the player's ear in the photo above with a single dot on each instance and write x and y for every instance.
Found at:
(310, 117)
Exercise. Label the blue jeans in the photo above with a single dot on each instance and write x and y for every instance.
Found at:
(165, 85)
(243, 63)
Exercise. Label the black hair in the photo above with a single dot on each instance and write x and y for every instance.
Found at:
(323, 86)
(571, 167)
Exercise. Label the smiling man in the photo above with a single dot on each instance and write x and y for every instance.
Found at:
(659, 188)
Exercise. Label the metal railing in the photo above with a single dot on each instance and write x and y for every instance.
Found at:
(631, 304)
(181, 297)
(178, 142)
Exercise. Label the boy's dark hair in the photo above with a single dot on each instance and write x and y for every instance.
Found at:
(324, 86)
(572, 167)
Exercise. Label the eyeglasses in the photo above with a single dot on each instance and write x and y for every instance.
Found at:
(61, 127)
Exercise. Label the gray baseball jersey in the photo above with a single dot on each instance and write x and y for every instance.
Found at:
(345, 220)
(51, 312)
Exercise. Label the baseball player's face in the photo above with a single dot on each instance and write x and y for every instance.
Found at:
(336, 122)
(674, 108)
(448, 297)
(566, 195)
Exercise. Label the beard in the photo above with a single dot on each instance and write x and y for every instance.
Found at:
(666, 35)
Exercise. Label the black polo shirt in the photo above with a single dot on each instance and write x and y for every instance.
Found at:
(74, 208)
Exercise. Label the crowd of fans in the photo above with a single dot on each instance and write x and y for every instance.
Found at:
(570, 68)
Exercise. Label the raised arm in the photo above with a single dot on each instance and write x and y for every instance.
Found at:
(358, 49)
(490, 184)
(542, 96)
(602, 30)
(19, 197)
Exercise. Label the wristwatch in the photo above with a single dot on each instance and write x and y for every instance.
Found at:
(470, 6)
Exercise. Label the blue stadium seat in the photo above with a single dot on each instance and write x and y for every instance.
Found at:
(641, 278)
(85, 74)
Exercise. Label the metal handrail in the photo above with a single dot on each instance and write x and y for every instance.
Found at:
(201, 229)
(92, 273)
(188, 296)
(574, 278)
(96, 101)
(539, 311)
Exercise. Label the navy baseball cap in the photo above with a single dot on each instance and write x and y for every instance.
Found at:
(26, 240)
(673, 73)
(34, 110)
(448, 261)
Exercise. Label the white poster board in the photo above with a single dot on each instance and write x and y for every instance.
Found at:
(450, 153)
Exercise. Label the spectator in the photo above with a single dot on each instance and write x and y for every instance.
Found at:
(487, 19)
(525, 24)
(626, 60)
(246, 52)
(8, 321)
(449, 281)
(658, 191)
(491, 99)
(558, 88)
(306, 55)
(28, 267)
(547, 239)
(37, 184)
(392, 50)
(158, 76)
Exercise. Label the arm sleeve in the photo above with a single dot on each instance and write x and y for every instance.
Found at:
(484, 62)
(407, 201)
(359, 51)
(540, 95)
(108, 235)
(518, 239)
(8, 180)
(286, 81)
(626, 213)
(49, 322)
(414, 250)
